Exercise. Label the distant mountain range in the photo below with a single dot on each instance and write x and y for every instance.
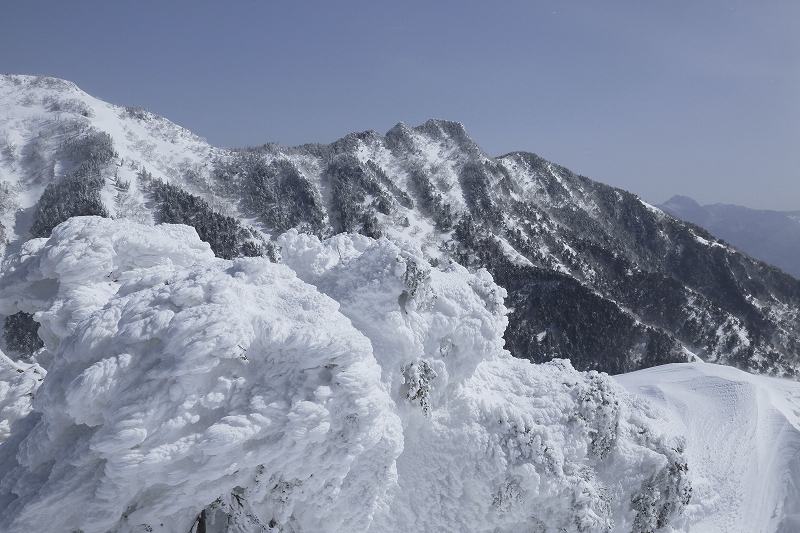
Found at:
(593, 273)
(771, 236)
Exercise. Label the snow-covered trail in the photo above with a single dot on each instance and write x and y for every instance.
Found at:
(743, 443)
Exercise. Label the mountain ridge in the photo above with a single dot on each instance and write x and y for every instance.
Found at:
(593, 272)
(771, 236)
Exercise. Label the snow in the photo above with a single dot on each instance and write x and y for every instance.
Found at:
(178, 391)
(65, 278)
(742, 443)
(44, 112)
(352, 388)
(18, 384)
(520, 446)
(410, 310)
(706, 242)
(653, 209)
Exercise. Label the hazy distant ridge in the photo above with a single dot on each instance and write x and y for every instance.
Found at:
(771, 236)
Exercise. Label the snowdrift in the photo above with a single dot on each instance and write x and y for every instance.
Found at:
(743, 443)
(354, 387)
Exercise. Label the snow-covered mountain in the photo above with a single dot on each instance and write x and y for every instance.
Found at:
(592, 272)
(771, 236)
(267, 362)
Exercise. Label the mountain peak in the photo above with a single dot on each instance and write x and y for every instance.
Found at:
(448, 131)
(685, 208)
(436, 127)
(682, 201)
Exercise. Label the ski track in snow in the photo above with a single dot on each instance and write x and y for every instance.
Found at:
(743, 443)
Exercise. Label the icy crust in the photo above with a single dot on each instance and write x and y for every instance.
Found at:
(353, 388)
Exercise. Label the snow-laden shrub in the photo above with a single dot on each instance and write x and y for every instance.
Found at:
(64, 279)
(353, 388)
(279, 195)
(224, 233)
(356, 195)
(224, 378)
(78, 192)
(18, 384)
(431, 200)
(70, 105)
(96, 147)
(418, 382)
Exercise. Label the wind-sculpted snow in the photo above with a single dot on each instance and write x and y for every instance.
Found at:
(521, 447)
(226, 378)
(353, 388)
(743, 443)
(85, 262)
(422, 321)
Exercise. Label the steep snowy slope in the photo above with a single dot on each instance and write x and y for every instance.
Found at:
(353, 388)
(43, 121)
(592, 272)
(742, 443)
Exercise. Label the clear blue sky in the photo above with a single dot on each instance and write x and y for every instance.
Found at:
(692, 97)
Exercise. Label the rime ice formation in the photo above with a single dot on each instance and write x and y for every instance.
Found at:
(84, 263)
(352, 388)
(192, 382)
(18, 383)
(492, 443)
